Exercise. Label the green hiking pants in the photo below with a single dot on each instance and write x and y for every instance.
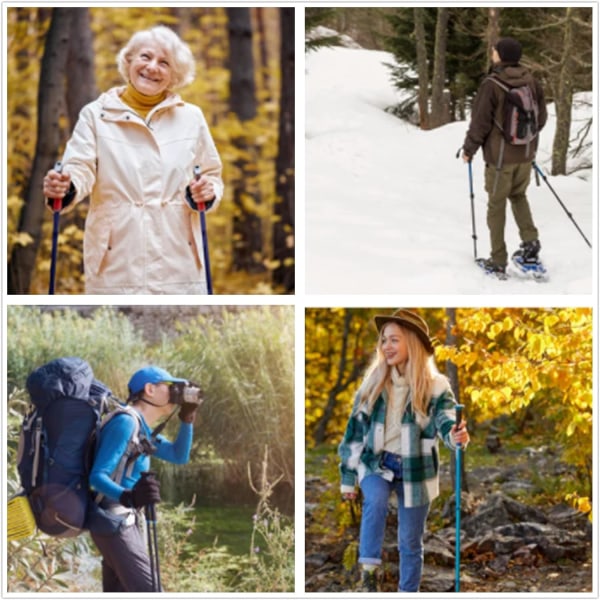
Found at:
(512, 183)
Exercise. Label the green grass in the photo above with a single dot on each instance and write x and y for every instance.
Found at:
(229, 526)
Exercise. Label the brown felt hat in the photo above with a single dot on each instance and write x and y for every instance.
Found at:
(410, 320)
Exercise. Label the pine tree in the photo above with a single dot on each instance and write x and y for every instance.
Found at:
(314, 17)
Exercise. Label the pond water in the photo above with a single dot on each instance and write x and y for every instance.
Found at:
(229, 526)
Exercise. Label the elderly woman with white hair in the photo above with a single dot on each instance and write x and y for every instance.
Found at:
(133, 151)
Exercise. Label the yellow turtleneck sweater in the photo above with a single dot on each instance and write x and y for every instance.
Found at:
(139, 102)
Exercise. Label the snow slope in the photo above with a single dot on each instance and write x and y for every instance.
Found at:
(387, 205)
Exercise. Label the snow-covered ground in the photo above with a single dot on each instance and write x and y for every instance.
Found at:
(387, 205)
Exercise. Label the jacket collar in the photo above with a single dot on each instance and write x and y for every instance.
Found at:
(111, 101)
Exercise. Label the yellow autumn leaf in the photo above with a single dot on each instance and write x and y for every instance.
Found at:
(495, 374)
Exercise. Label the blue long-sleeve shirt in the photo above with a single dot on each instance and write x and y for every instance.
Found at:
(114, 438)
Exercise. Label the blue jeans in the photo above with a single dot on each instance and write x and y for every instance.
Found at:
(411, 526)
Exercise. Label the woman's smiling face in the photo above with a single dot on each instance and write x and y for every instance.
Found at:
(394, 345)
(149, 70)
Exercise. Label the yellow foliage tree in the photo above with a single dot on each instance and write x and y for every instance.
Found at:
(519, 362)
(534, 361)
(205, 30)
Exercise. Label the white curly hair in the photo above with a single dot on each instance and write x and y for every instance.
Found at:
(181, 60)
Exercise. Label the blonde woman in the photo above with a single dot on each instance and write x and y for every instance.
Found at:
(133, 150)
(390, 444)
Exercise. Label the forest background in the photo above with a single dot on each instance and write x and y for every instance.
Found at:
(225, 521)
(442, 54)
(524, 376)
(59, 59)
(533, 367)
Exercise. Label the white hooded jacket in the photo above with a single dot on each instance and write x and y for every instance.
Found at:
(141, 236)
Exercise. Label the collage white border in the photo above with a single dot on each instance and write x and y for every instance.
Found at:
(301, 301)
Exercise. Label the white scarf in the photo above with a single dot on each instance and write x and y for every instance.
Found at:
(396, 405)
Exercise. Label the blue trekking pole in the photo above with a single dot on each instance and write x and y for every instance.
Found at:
(56, 206)
(202, 208)
(472, 195)
(458, 451)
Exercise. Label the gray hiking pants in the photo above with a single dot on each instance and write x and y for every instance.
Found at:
(125, 561)
(511, 183)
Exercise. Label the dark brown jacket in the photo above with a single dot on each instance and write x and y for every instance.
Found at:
(487, 111)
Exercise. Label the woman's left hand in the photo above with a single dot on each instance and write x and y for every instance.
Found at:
(460, 435)
(202, 190)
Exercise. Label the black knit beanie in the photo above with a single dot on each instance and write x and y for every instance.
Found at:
(509, 50)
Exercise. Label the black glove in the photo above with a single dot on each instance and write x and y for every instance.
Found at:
(187, 412)
(193, 205)
(146, 491)
(66, 199)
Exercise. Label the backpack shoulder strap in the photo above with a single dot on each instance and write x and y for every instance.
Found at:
(137, 445)
(497, 115)
(499, 83)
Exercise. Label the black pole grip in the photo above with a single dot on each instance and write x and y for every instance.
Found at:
(459, 413)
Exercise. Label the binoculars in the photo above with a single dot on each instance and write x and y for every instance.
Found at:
(185, 393)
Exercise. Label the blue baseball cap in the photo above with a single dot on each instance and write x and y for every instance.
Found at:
(150, 374)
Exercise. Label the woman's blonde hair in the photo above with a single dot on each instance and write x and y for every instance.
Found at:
(181, 60)
(420, 371)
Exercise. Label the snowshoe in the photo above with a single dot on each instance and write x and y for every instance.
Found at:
(492, 269)
(529, 251)
(531, 269)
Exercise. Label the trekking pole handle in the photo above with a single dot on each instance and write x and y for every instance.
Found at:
(57, 202)
(197, 175)
(459, 413)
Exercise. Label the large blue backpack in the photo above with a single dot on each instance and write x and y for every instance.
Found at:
(57, 443)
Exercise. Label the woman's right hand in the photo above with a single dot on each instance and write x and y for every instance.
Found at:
(56, 184)
(202, 190)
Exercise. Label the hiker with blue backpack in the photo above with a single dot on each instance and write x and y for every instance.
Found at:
(84, 459)
(122, 484)
(508, 113)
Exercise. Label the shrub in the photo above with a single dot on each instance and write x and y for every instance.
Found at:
(245, 364)
(107, 340)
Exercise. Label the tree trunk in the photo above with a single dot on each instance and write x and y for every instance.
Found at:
(283, 229)
(422, 68)
(24, 57)
(564, 98)
(247, 226)
(241, 64)
(492, 33)
(81, 79)
(51, 96)
(343, 379)
(439, 109)
(452, 373)
(451, 369)
(264, 70)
